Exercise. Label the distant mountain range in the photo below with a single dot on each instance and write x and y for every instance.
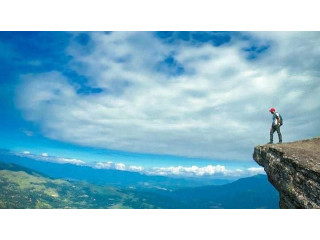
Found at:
(110, 177)
(245, 193)
(27, 183)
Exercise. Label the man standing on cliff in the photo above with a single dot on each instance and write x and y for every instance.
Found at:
(275, 126)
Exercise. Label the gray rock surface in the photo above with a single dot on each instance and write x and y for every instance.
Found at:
(294, 170)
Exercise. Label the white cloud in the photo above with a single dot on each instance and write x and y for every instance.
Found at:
(182, 171)
(256, 170)
(210, 170)
(217, 109)
(188, 171)
(117, 166)
(172, 171)
(70, 160)
(28, 133)
(46, 157)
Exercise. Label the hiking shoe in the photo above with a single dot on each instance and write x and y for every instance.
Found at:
(270, 143)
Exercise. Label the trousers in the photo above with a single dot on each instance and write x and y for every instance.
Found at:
(273, 129)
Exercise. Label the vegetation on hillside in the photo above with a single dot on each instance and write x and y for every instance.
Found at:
(22, 187)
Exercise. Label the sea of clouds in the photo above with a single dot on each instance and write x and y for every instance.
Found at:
(173, 171)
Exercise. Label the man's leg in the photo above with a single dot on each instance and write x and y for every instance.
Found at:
(279, 134)
(271, 134)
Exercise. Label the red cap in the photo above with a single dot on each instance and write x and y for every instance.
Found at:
(272, 110)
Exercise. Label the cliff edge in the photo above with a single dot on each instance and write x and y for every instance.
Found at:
(294, 170)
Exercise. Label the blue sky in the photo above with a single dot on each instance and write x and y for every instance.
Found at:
(156, 99)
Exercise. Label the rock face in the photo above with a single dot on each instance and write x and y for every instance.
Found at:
(294, 170)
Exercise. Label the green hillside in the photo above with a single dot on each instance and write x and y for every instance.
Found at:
(23, 188)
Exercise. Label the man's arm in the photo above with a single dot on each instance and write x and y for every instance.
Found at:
(278, 120)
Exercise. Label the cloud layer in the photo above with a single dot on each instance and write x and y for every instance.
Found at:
(46, 157)
(173, 171)
(178, 96)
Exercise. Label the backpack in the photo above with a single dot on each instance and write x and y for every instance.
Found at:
(281, 119)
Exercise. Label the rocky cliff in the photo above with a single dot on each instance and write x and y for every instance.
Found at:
(294, 170)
